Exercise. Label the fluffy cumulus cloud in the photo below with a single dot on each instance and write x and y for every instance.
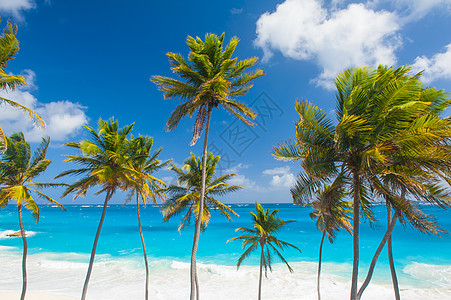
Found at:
(247, 183)
(335, 38)
(438, 66)
(282, 178)
(16, 7)
(63, 118)
(242, 180)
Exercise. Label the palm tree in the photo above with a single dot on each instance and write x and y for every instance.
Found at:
(19, 168)
(209, 79)
(9, 46)
(143, 184)
(104, 163)
(374, 108)
(186, 194)
(415, 173)
(262, 234)
(331, 214)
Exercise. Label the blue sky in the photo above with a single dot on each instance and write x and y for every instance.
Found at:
(89, 59)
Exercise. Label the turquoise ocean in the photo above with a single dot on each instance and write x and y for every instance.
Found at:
(60, 244)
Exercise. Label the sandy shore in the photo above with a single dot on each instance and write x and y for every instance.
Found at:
(34, 296)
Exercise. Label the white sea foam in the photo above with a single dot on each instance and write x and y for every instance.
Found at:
(5, 234)
(123, 278)
(427, 274)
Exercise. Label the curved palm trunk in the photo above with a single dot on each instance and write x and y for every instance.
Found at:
(376, 255)
(94, 246)
(24, 257)
(193, 270)
(261, 275)
(144, 247)
(390, 258)
(319, 265)
(355, 262)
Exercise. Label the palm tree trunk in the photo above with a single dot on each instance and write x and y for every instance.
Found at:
(319, 265)
(24, 257)
(390, 258)
(355, 262)
(93, 252)
(261, 275)
(193, 270)
(144, 247)
(376, 255)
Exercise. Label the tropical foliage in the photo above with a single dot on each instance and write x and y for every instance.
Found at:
(9, 46)
(19, 169)
(209, 78)
(143, 184)
(330, 211)
(390, 142)
(380, 113)
(185, 196)
(104, 163)
(265, 226)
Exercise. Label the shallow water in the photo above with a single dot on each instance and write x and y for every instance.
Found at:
(59, 247)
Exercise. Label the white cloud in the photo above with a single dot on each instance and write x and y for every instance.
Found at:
(63, 118)
(246, 183)
(277, 171)
(282, 178)
(283, 181)
(335, 39)
(438, 66)
(16, 7)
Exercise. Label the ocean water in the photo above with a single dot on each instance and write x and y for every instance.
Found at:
(60, 244)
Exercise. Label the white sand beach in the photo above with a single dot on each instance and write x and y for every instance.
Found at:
(34, 296)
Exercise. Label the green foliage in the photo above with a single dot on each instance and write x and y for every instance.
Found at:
(330, 209)
(389, 129)
(9, 46)
(19, 169)
(143, 163)
(186, 194)
(265, 226)
(103, 160)
(209, 78)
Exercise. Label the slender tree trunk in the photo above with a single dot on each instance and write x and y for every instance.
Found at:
(94, 246)
(24, 257)
(260, 275)
(387, 234)
(319, 265)
(390, 258)
(144, 247)
(193, 270)
(197, 285)
(355, 262)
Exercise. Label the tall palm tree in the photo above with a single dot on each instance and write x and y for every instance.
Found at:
(143, 183)
(104, 163)
(374, 108)
(210, 78)
(331, 213)
(19, 168)
(415, 174)
(9, 46)
(265, 226)
(186, 194)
